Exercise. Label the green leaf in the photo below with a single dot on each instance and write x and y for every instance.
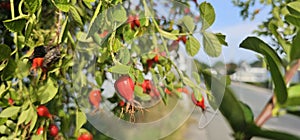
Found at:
(62, 5)
(120, 69)
(10, 124)
(167, 34)
(80, 119)
(118, 13)
(9, 70)
(37, 137)
(257, 45)
(188, 82)
(33, 120)
(5, 52)
(207, 14)
(188, 21)
(64, 30)
(293, 96)
(9, 112)
(4, 130)
(295, 20)
(196, 76)
(138, 91)
(99, 77)
(29, 29)
(294, 7)
(74, 13)
(23, 116)
(30, 115)
(2, 121)
(192, 46)
(15, 25)
(222, 38)
(116, 45)
(247, 112)
(96, 20)
(284, 44)
(32, 5)
(269, 134)
(48, 91)
(212, 45)
(89, 0)
(295, 50)
(125, 56)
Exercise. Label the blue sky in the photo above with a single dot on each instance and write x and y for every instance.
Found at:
(229, 22)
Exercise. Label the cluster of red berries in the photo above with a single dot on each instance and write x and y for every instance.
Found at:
(43, 111)
(182, 38)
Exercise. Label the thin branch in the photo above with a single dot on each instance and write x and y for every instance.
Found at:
(266, 114)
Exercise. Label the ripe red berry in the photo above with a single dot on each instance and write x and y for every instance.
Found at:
(146, 85)
(156, 58)
(43, 111)
(40, 131)
(121, 103)
(125, 87)
(131, 21)
(150, 63)
(53, 130)
(184, 90)
(183, 39)
(198, 103)
(167, 91)
(137, 21)
(95, 98)
(85, 136)
(10, 101)
(102, 35)
(38, 63)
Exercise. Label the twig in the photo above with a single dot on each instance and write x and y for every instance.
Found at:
(266, 114)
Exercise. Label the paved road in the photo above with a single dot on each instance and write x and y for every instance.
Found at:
(256, 98)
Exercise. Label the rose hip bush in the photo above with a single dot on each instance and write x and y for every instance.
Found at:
(39, 79)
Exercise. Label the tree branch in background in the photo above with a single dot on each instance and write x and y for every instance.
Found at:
(267, 111)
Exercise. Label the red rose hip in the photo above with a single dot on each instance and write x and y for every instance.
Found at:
(53, 130)
(40, 131)
(200, 103)
(125, 87)
(95, 98)
(43, 111)
(85, 136)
